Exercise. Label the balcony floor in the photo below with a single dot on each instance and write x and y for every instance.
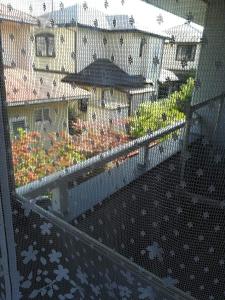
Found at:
(173, 227)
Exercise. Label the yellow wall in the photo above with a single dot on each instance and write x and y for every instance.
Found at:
(63, 50)
(117, 97)
(16, 44)
(111, 101)
(58, 115)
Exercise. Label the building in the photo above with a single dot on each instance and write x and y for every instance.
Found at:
(181, 52)
(107, 55)
(37, 101)
(16, 40)
(40, 101)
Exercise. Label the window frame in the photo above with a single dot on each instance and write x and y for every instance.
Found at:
(42, 115)
(17, 119)
(83, 105)
(46, 36)
(142, 45)
(194, 50)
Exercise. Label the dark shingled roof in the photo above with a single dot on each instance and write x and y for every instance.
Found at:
(104, 73)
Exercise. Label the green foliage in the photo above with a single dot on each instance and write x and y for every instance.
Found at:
(183, 97)
(35, 157)
(152, 116)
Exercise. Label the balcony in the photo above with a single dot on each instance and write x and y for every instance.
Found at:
(143, 220)
(155, 219)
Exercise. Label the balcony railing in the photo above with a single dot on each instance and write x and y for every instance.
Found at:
(153, 150)
(58, 183)
(123, 272)
(63, 196)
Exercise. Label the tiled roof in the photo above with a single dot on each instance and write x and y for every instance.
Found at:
(7, 12)
(104, 73)
(29, 87)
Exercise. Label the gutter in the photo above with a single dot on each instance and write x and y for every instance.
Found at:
(42, 101)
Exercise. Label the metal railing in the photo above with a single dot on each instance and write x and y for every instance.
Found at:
(57, 183)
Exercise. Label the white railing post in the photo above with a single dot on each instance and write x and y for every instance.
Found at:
(60, 201)
(144, 155)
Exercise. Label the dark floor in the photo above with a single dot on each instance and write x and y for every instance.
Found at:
(167, 224)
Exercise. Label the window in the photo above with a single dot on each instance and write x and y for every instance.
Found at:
(103, 96)
(45, 45)
(83, 105)
(42, 115)
(16, 124)
(186, 52)
(143, 43)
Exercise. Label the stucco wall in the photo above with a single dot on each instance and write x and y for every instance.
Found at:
(16, 43)
(58, 114)
(138, 99)
(74, 42)
(170, 62)
(117, 97)
(112, 102)
(63, 50)
(130, 47)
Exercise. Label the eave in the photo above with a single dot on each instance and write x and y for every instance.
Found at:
(196, 9)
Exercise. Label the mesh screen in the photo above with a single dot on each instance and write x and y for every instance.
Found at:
(114, 144)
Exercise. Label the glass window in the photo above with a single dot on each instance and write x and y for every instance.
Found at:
(83, 105)
(17, 125)
(186, 52)
(51, 46)
(42, 115)
(46, 116)
(142, 44)
(41, 46)
(45, 45)
(38, 115)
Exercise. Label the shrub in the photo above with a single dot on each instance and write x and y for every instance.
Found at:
(35, 156)
(159, 114)
(93, 139)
